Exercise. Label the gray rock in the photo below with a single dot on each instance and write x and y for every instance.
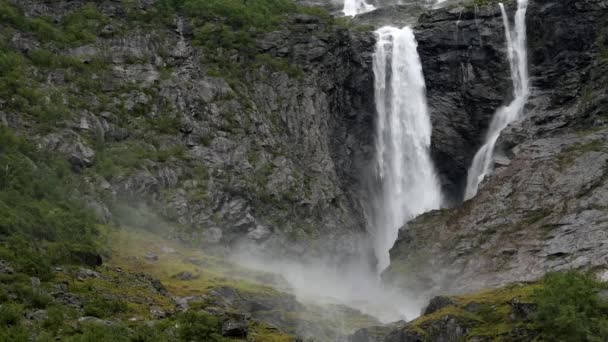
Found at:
(236, 325)
(185, 275)
(95, 321)
(68, 299)
(6, 268)
(543, 210)
(158, 312)
(522, 310)
(88, 273)
(37, 315)
(183, 303)
(151, 256)
(437, 304)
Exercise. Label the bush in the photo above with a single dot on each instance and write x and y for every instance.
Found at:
(98, 333)
(54, 320)
(10, 314)
(569, 308)
(40, 221)
(198, 326)
(103, 307)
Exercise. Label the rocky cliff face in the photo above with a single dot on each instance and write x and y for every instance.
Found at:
(262, 144)
(544, 207)
(467, 76)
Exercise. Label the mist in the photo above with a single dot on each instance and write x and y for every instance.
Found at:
(352, 283)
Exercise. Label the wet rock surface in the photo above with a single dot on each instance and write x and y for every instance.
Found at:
(463, 54)
(543, 208)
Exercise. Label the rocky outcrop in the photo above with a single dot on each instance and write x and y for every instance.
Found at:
(263, 144)
(543, 209)
(467, 76)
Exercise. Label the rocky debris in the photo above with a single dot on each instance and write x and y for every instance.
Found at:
(379, 333)
(154, 283)
(84, 273)
(447, 329)
(185, 275)
(68, 299)
(37, 315)
(236, 325)
(6, 268)
(438, 303)
(95, 320)
(159, 287)
(183, 303)
(70, 144)
(521, 310)
(35, 281)
(157, 312)
(151, 256)
(168, 250)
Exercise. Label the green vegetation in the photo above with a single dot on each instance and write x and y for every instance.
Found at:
(560, 307)
(482, 3)
(78, 28)
(102, 307)
(41, 224)
(235, 23)
(569, 308)
(198, 326)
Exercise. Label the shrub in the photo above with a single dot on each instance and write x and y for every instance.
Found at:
(104, 307)
(54, 320)
(569, 308)
(37, 209)
(198, 326)
(10, 314)
(97, 333)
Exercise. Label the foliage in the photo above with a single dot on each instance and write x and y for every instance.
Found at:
(77, 28)
(104, 307)
(40, 222)
(10, 314)
(482, 3)
(569, 308)
(198, 326)
(96, 333)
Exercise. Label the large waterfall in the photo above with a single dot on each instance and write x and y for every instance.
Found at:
(354, 7)
(518, 61)
(408, 185)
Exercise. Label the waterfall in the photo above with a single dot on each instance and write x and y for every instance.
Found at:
(518, 62)
(354, 7)
(407, 185)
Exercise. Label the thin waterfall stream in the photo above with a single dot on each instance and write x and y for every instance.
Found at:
(354, 7)
(518, 62)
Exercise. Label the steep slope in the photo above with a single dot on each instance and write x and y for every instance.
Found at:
(235, 127)
(544, 207)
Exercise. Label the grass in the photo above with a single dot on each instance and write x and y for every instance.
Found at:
(129, 247)
(562, 307)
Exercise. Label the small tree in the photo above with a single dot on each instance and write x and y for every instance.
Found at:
(569, 308)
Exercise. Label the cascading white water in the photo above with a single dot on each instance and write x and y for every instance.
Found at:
(404, 170)
(518, 62)
(354, 7)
